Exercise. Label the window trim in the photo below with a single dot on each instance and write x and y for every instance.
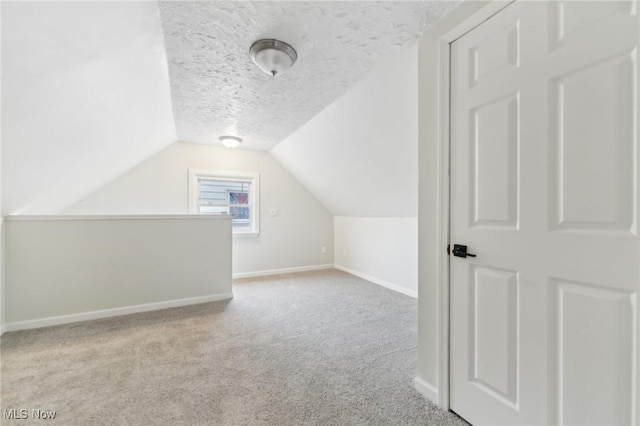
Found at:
(254, 193)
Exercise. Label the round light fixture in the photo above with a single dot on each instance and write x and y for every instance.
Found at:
(273, 56)
(230, 141)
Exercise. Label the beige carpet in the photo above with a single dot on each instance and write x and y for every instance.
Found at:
(312, 348)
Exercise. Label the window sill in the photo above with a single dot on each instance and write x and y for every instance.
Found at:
(246, 234)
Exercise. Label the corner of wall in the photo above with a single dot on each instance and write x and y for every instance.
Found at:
(428, 221)
(427, 390)
(2, 298)
(382, 250)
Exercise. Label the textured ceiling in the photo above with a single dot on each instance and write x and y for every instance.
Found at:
(217, 90)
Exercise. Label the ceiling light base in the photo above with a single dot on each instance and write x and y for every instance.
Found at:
(230, 141)
(273, 56)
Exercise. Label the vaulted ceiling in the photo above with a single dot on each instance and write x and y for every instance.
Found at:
(217, 90)
(85, 97)
(90, 89)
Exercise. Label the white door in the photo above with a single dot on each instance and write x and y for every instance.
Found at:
(544, 190)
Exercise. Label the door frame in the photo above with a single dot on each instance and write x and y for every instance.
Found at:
(439, 48)
(443, 46)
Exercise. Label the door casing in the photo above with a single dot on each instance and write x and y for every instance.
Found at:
(442, 143)
(443, 148)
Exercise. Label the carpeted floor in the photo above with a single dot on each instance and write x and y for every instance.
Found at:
(311, 348)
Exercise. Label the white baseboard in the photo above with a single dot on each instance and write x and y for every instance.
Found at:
(427, 390)
(105, 313)
(281, 271)
(375, 280)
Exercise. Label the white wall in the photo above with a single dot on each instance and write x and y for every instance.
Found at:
(2, 286)
(359, 157)
(293, 239)
(91, 267)
(380, 249)
(85, 96)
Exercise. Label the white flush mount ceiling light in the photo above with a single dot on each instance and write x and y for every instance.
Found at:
(273, 56)
(230, 141)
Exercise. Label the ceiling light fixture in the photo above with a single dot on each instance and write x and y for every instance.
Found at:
(273, 56)
(230, 141)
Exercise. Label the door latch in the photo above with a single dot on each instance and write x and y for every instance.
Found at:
(461, 251)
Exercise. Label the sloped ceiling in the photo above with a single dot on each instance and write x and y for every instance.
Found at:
(217, 90)
(90, 89)
(359, 156)
(85, 96)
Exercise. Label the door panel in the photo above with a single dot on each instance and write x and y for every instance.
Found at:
(569, 17)
(593, 145)
(593, 333)
(544, 189)
(494, 334)
(496, 52)
(494, 158)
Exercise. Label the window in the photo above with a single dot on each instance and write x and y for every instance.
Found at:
(237, 194)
